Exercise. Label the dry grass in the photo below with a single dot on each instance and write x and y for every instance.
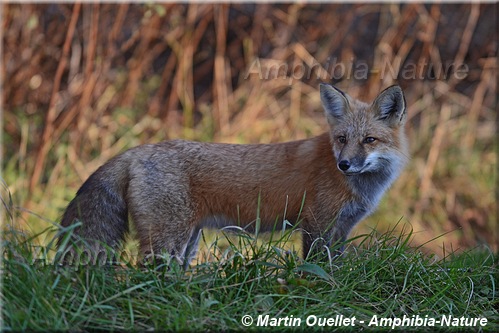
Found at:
(84, 82)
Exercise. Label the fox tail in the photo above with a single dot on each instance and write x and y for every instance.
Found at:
(97, 218)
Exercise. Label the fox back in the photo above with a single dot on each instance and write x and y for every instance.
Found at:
(323, 185)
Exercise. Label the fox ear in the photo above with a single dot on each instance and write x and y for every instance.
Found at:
(390, 106)
(334, 101)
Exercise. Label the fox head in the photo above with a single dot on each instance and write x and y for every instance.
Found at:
(366, 137)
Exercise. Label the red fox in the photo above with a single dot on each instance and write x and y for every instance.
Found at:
(326, 184)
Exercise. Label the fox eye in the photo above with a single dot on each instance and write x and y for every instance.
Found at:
(342, 139)
(369, 139)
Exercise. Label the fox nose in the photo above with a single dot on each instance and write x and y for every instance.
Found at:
(344, 165)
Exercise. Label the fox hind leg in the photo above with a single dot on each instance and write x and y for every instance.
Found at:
(164, 240)
(164, 216)
(191, 250)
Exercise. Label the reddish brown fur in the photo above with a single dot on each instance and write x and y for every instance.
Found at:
(171, 188)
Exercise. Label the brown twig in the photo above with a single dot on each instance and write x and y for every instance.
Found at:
(46, 140)
(220, 87)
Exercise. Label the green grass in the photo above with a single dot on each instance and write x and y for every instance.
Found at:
(382, 277)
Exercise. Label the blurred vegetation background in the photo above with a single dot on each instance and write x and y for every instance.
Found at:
(83, 82)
